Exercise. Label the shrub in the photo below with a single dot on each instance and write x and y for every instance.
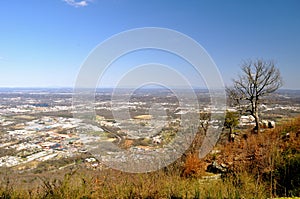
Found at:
(193, 166)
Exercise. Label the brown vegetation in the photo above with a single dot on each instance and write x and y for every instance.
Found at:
(272, 157)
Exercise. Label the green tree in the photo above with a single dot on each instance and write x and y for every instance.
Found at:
(231, 121)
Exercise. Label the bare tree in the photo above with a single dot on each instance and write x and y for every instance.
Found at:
(259, 78)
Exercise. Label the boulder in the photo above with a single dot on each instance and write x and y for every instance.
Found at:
(216, 168)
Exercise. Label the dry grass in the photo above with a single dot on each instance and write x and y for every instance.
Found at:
(113, 184)
(268, 156)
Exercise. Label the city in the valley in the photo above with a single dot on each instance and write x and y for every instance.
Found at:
(38, 130)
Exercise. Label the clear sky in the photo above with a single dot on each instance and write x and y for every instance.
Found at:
(44, 42)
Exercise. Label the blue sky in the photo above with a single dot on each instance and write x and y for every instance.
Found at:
(44, 43)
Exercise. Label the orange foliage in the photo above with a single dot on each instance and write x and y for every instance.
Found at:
(256, 152)
(193, 166)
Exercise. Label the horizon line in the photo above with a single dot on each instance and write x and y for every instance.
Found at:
(111, 87)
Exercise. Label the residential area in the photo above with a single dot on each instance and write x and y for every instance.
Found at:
(38, 126)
